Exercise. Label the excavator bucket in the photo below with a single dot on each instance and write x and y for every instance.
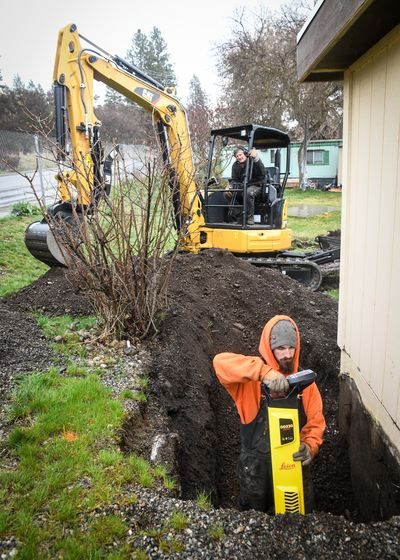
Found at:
(41, 243)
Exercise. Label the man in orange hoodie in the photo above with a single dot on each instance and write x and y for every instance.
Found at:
(242, 377)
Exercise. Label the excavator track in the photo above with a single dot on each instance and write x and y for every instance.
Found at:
(304, 271)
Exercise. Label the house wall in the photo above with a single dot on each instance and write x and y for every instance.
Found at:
(369, 308)
(326, 171)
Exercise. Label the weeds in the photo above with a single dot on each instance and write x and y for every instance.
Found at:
(333, 293)
(161, 472)
(139, 396)
(25, 209)
(178, 521)
(217, 531)
(203, 500)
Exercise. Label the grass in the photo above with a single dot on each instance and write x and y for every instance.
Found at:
(203, 500)
(217, 531)
(68, 465)
(63, 422)
(178, 521)
(161, 472)
(297, 196)
(17, 266)
(306, 229)
(333, 293)
(66, 330)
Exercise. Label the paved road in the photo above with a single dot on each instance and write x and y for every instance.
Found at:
(14, 188)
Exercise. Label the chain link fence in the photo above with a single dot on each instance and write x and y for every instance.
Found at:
(25, 154)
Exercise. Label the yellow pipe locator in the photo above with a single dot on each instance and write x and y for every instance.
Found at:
(284, 432)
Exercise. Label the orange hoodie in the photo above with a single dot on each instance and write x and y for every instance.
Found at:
(241, 377)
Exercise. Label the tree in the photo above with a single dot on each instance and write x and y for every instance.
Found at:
(200, 118)
(123, 120)
(151, 56)
(112, 97)
(258, 65)
(125, 123)
(21, 106)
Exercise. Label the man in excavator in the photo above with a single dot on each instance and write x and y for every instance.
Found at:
(242, 376)
(257, 177)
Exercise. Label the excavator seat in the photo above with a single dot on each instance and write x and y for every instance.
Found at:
(272, 174)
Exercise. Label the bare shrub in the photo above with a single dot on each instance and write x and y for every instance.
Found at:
(117, 251)
(119, 246)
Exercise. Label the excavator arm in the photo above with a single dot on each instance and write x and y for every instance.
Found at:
(75, 70)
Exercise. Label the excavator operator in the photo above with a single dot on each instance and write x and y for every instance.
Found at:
(242, 377)
(257, 177)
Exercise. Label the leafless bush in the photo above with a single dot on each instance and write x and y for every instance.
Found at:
(120, 248)
(117, 250)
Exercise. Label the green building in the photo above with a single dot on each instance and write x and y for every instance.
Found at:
(323, 162)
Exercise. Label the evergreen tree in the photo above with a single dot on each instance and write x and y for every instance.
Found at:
(150, 55)
(23, 106)
(112, 97)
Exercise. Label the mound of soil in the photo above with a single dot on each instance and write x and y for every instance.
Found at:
(54, 293)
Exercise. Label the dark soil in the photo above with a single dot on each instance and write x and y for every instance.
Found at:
(217, 303)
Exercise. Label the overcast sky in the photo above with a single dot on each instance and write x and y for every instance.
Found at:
(29, 33)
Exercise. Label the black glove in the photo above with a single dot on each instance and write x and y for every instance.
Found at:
(303, 454)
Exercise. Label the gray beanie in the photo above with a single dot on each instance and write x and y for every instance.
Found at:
(283, 333)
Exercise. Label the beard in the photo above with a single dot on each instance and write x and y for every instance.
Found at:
(286, 365)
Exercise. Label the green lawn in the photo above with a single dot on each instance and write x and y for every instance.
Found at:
(17, 266)
(306, 229)
(297, 196)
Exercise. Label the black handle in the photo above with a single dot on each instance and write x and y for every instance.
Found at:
(301, 379)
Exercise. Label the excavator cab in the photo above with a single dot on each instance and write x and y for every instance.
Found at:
(225, 201)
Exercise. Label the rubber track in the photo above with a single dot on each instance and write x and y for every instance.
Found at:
(285, 264)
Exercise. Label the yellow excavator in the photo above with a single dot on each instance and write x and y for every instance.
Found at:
(203, 214)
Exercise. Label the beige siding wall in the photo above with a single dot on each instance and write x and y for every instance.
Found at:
(369, 310)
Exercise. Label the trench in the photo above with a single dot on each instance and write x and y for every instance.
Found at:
(200, 418)
(207, 428)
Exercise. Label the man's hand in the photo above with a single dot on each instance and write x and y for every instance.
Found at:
(303, 454)
(278, 384)
(253, 153)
